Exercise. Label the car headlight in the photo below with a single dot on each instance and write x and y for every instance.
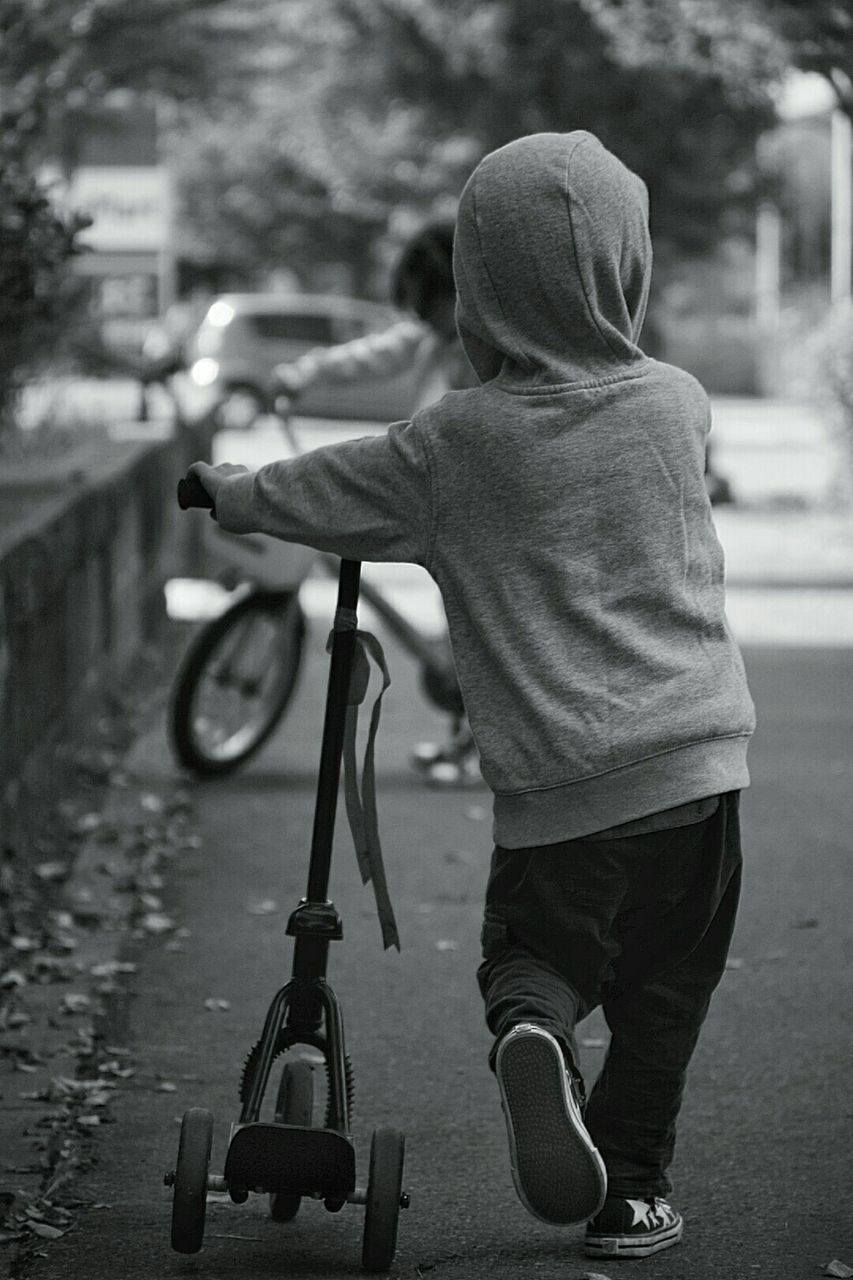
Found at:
(205, 372)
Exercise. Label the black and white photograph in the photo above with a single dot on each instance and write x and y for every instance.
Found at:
(426, 639)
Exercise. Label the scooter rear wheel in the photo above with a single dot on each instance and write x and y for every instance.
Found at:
(294, 1105)
(189, 1197)
(384, 1189)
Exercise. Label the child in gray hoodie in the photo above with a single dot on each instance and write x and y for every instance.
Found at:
(561, 508)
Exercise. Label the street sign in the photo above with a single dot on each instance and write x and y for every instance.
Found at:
(128, 205)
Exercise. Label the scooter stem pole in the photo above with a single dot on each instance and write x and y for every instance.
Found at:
(331, 751)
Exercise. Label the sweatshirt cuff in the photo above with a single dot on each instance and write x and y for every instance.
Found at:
(235, 504)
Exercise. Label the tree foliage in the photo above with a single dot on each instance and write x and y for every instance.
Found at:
(60, 59)
(61, 64)
(36, 293)
(819, 37)
(680, 100)
(379, 111)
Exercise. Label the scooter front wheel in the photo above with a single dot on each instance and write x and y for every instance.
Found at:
(384, 1190)
(294, 1105)
(189, 1197)
(235, 682)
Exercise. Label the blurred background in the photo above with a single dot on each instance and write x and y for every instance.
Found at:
(239, 145)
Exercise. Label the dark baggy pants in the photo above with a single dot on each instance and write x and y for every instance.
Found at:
(640, 925)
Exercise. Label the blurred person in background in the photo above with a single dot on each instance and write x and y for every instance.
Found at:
(422, 286)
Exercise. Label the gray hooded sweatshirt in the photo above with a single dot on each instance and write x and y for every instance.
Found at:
(560, 507)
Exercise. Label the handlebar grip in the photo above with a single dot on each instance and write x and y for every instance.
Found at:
(192, 493)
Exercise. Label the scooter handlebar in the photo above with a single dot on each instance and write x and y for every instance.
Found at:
(192, 493)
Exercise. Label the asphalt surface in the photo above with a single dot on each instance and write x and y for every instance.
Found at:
(762, 1171)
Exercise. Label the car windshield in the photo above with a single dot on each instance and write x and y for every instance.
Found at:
(295, 326)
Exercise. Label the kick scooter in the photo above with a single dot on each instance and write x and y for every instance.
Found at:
(291, 1158)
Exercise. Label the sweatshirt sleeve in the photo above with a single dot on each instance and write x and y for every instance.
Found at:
(381, 355)
(366, 499)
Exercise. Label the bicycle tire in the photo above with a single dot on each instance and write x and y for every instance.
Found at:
(187, 742)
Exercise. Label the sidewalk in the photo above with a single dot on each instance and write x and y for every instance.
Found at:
(173, 922)
(788, 537)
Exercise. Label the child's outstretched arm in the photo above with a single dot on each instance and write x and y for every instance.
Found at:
(366, 499)
(376, 354)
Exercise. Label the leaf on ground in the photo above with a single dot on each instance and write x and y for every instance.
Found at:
(111, 967)
(63, 942)
(88, 822)
(52, 969)
(54, 870)
(166, 1086)
(75, 1002)
(12, 978)
(264, 908)
(216, 1004)
(838, 1268)
(152, 803)
(446, 944)
(156, 922)
(46, 1231)
(117, 1070)
(17, 1018)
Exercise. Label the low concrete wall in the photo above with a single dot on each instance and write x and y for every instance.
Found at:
(83, 559)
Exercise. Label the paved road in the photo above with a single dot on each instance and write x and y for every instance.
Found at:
(762, 1170)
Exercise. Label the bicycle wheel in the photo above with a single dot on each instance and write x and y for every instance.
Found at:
(235, 682)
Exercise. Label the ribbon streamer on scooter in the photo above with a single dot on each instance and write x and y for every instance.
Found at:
(361, 800)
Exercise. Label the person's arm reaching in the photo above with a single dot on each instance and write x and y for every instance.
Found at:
(376, 354)
(366, 499)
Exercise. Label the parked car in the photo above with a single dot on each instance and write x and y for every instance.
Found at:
(243, 336)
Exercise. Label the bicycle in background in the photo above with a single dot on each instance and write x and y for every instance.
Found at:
(238, 676)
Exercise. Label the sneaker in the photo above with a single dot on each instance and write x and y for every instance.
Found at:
(633, 1228)
(558, 1173)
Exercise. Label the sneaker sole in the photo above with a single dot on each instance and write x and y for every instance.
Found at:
(557, 1171)
(633, 1246)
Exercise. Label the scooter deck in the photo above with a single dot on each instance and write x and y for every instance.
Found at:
(282, 1157)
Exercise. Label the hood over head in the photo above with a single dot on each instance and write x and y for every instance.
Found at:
(552, 259)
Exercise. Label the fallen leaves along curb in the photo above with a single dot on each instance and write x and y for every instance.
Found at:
(62, 981)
